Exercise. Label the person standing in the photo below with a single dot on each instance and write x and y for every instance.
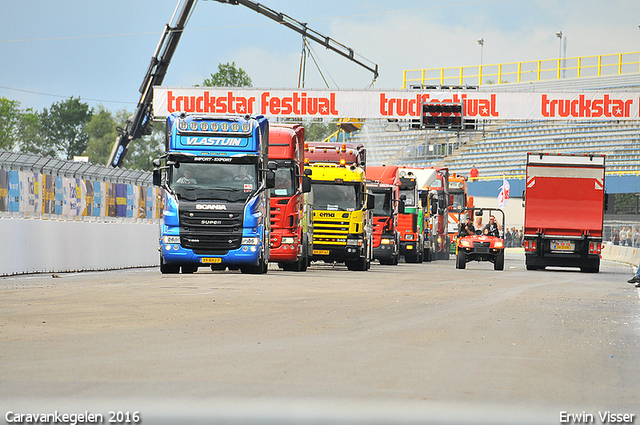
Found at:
(623, 236)
(473, 174)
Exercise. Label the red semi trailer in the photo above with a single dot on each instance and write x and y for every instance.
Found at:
(564, 209)
(384, 183)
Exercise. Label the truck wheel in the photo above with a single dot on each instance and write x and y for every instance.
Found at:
(427, 255)
(359, 265)
(461, 260)
(530, 267)
(499, 263)
(590, 269)
(261, 268)
(189, 269)
(168, 268)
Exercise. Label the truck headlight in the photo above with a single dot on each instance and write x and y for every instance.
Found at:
(465, 243)
(354, 242)
(385, 241)
(171, 239)
(409, 237)
(499, 244)
(288, 240)
(250, 241)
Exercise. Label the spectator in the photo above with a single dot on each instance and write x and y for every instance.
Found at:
(615, 237)
(636, 238)
(623, 236)
(636, 279)
(508, 236)
(473, 174)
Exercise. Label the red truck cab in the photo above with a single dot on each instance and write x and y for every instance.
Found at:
(384, 183)
(289, 228)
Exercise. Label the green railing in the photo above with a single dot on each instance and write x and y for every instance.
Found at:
(523, 72)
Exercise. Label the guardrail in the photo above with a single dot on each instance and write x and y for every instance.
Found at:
(528, 71)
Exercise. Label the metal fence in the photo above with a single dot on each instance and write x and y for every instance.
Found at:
(33, 186)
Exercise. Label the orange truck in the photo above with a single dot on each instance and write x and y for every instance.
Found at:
(459, 199)
(290, 240)
(384, 183)
(564, 210)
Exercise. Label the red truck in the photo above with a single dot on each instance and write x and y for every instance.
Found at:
(440, 188)
(384, 183)
(290, 241)
(564, 209)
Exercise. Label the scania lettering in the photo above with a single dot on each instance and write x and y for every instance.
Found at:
(342, 216)
(291, 238)
(215, 212)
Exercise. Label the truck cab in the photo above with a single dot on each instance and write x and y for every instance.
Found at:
(216, 199)
(291, 224)
(342, 214)
(384, 183)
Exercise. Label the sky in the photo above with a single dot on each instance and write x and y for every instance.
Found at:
(99, 51)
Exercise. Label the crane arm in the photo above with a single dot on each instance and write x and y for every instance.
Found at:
(302, 28)
(139, 123)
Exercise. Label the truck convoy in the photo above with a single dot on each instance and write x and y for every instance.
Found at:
(291, 225)
(342, 214)
(384, 183)
(564, 208)
(216, 198)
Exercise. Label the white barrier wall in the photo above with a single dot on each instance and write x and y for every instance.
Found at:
(621, 254)
(36, 246)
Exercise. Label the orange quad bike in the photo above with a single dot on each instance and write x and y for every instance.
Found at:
(481, 246)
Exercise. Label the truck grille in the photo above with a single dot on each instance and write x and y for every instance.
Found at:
(211, 231)
(330, 232)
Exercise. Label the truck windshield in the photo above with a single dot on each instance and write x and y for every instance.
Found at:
(411, 197)
(227, 182)
(458, 200)
(383, 202)
(284, 182)
(335, 197)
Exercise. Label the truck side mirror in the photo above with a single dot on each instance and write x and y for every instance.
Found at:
(306, 184)
(273, 166)
(307, 171)
(157, 177)
(271, 179)
(371, 201)
(400, 206)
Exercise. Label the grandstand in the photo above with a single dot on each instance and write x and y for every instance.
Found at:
(499, 147)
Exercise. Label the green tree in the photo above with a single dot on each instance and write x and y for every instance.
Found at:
(317, 131)
(101, 132)
(143, 151)
(64, 125)
(31, 135)
(9, 122)
(228, 76)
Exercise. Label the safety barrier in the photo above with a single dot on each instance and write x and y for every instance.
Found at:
(65, 216)
(622, 254)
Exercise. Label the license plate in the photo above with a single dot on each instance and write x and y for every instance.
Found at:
(562, 246)
(320, 252)
(213, 260)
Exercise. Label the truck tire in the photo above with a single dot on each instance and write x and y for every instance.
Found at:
(359, 265)
(461, 260)
(261, 268)
(168, 268)
(189, 269)
(499, 263)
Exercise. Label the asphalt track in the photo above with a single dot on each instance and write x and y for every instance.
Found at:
(413, 343)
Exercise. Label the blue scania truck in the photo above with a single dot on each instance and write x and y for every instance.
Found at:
(215, 175)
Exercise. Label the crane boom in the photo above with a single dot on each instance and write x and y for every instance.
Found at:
(139, 123)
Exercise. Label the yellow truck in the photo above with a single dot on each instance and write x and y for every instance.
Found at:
(342, 213)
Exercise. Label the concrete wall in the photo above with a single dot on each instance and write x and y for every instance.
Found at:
(38, 246)
(621, 254)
